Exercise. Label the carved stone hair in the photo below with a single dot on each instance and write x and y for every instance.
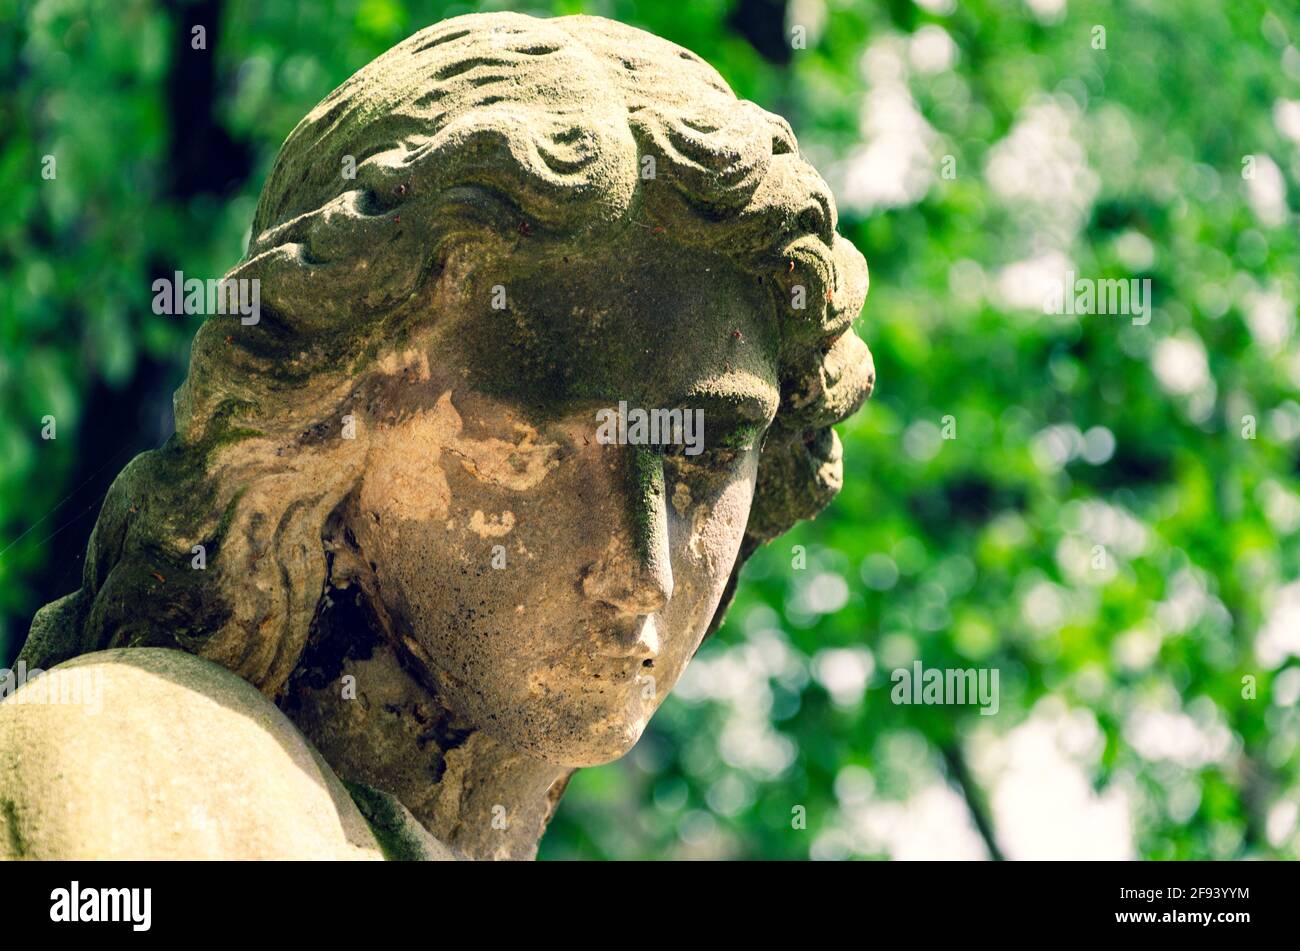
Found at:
(553, 119)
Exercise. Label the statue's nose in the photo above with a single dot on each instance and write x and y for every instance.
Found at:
(633, 589)
(635, 575)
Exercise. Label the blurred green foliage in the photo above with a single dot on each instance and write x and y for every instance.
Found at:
(1113, 527)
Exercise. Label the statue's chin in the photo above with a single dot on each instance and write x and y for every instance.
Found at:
(609, 745)
(592, 744)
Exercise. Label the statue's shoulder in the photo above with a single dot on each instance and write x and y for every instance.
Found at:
(155, 753)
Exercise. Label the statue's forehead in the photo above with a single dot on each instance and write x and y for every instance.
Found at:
(641, 320)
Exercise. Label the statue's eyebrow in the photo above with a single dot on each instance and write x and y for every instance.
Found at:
(745, 404)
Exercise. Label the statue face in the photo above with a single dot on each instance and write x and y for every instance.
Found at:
(554, 584)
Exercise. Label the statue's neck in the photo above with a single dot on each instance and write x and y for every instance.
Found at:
(376, 719)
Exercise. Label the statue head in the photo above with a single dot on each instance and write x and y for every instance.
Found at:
(470, 255)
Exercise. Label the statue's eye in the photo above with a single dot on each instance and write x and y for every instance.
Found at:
(740, 438)
(718, 450)
(701, 455)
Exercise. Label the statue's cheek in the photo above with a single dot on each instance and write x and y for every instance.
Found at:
(402, 487)
(711, 528)
(405, 478)
(707, 537)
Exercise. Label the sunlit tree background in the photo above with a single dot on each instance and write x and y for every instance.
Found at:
(1102, 510)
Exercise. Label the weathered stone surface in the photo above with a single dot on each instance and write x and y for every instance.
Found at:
(175, 758)
(417, 545)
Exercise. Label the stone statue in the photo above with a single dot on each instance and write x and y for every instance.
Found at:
(386, 586)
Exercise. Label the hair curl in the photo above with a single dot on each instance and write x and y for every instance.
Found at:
(552, 116)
